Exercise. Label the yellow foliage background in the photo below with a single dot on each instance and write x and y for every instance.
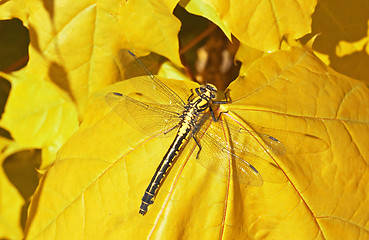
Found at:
(72, 168)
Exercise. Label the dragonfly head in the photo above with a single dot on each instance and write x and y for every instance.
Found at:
(208, 88)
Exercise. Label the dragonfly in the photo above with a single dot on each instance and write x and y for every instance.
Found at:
(193, 115)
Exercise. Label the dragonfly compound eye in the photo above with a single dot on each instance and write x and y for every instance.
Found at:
(211, 87)
(202, 89)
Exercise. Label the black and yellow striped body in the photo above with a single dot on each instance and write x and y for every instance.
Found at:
(193, 111)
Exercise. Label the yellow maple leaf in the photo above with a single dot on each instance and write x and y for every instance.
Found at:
(343, 30)
(75, 44)
(259, 24)
(38, 115)
(107, 165)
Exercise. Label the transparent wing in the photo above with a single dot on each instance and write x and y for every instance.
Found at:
(241, 136)
(248, 158)
(149, 118)
(293, 142)
(151, 86)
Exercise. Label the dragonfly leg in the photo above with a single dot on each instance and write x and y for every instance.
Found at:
(227, 100)
(216, 119)
(190, 97)
(198, 144)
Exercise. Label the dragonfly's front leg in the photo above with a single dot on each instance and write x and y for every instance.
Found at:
(191, 96)
(215, 119)
(227, 100)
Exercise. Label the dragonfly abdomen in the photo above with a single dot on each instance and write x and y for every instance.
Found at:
(162, 169)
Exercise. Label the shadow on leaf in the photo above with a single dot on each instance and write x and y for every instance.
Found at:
(20, 168)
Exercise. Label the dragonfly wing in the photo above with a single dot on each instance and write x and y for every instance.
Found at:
(148, 118)
(240, 134)
(250, 162)
(151, 86)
